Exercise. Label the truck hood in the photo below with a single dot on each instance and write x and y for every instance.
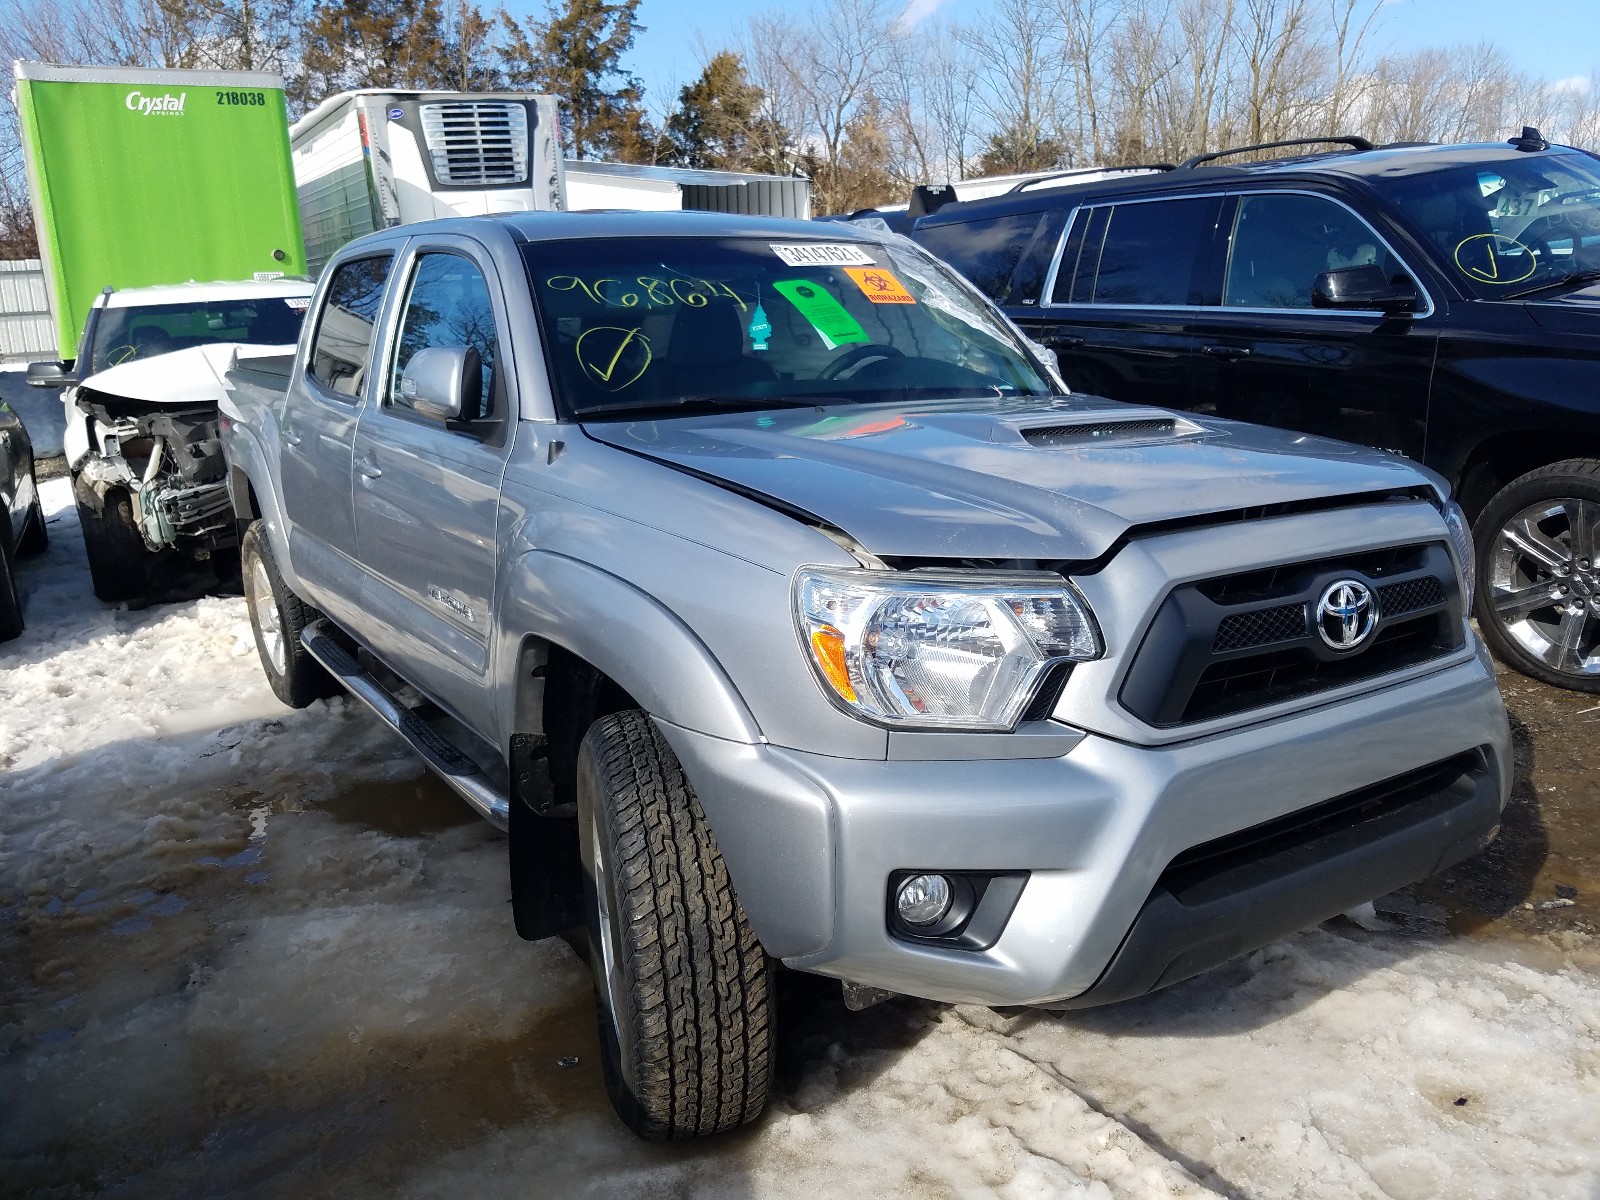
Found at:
(183, 378)
(982, 479)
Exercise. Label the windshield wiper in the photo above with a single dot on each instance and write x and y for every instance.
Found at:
(1575, 277)
(711, 403)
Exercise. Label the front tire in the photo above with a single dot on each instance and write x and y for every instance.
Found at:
(119, 562)
(683, 987)
(277, 616)
(1538, 546)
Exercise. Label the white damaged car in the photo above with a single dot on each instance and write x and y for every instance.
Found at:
(141, 439)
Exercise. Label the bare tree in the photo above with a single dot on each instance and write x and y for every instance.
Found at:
(824, 70)
(1022, 73)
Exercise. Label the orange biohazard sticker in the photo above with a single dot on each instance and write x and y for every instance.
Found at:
(880, 286)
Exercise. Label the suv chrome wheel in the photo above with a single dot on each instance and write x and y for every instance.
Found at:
(1544, 586)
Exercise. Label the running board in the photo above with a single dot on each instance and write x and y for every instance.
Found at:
(463, 775)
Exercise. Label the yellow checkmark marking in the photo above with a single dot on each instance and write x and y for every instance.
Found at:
(605, 374)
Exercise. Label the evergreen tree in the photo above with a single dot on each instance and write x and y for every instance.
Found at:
(718, 123)
(576, 54)
(1018, 148)
(374, 43)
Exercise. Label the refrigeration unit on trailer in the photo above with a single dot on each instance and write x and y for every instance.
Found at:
(366, 160)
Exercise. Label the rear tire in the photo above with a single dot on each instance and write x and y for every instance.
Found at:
(35, 537)
(1538, 548)
(277, 616)
(10, 601)
(683, 988)
(119, 561)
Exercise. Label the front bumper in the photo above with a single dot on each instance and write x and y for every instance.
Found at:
(811, 841)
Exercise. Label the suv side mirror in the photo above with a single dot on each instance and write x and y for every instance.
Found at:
(49, 374)
(443, 382)
(1364, 288)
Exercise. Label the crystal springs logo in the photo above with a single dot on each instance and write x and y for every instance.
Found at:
(155, 106)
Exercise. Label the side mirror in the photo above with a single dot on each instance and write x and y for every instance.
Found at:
(1364, 288)
(443, 382)
(49, 374)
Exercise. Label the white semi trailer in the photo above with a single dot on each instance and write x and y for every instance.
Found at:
(367, 160)
(370, 159)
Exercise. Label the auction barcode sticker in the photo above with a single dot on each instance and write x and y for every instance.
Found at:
(822, 254)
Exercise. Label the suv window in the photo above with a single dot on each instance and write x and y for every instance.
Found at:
(345, 325)
(1146, 253)
(448, 305)
(1281, 243)
(1006, 257)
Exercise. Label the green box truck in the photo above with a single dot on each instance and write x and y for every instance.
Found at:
(145, 177)
(168, 224)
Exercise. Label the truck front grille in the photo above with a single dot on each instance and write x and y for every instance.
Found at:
(1228, 645)
(477, 142)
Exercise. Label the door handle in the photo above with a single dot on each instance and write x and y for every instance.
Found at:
(1063, 342)
(291, 437)
(1226, 351)
(369, 470)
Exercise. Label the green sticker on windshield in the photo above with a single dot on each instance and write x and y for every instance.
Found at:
(828, 317)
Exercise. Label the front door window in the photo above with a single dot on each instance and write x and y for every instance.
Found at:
(1281, 243)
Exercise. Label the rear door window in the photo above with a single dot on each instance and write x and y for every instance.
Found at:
(989, 252)
(1281, 243)
(1147, 253)
(343, 346)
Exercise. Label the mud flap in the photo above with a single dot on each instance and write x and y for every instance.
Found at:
(546, 871)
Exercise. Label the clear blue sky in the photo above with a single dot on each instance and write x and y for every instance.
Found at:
(1555, 38)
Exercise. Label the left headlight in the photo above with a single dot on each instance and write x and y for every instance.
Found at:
(1461, 542)
(939, 649)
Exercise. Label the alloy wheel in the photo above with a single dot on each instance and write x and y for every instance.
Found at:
(269, 624)
(1544, 585)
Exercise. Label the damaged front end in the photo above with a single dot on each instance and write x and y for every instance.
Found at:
(169, 460)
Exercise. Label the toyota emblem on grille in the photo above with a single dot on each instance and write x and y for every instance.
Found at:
(1346, 614)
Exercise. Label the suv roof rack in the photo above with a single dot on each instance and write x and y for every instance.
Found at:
(1357, 144)
(1028, 183)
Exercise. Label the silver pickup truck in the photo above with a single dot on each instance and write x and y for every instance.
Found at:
(764, 584)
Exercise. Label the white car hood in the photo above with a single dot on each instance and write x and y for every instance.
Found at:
(183, 377)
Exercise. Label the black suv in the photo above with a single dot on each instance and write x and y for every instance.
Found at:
(1438, 301)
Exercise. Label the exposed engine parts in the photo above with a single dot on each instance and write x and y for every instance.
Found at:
(170, 463)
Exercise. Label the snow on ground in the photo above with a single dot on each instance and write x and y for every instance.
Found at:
(251, 952)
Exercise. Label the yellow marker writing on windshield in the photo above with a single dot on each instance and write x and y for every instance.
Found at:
(1494, 258)
(600, 351)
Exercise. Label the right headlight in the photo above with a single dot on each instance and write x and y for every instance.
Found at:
(939, 649)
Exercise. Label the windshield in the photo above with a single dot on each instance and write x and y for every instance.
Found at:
(645, 323)
(1509, 226)
(127, 334)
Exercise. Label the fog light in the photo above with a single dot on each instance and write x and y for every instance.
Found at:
(923, 899)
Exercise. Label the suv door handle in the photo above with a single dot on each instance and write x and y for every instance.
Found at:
(368, 470)
(1226, 351)
(291, 437)
(1062, 342)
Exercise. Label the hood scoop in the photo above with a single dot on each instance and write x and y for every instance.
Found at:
(1104, 429)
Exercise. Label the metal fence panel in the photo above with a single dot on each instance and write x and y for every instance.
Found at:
(26, 330)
